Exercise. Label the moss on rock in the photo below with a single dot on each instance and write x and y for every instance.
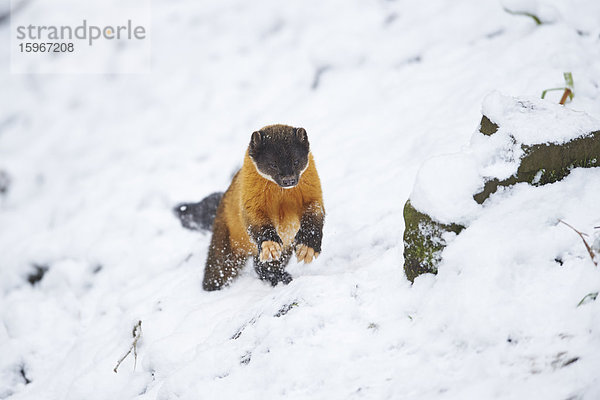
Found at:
(423, 242)
(549, 162)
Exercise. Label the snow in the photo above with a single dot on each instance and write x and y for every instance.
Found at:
(96, 162)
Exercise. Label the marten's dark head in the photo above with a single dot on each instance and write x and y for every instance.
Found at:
(280, 154)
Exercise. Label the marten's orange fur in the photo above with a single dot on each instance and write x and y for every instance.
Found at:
(261, 201)
(253, 201)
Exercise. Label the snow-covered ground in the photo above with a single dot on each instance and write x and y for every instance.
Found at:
(96, 163)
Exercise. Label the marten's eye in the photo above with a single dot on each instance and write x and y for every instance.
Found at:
(296, 163)
(273, 165)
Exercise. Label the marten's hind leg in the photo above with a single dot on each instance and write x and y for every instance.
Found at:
(274, 271)
(222, 264)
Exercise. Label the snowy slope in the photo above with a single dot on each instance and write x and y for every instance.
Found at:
(97, 161)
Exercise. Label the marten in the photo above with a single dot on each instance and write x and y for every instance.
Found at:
(273, 207)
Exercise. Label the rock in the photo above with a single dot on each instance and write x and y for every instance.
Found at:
(39, 270)
(487, 127)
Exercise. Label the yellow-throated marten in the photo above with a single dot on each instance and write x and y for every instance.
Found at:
(274, 206)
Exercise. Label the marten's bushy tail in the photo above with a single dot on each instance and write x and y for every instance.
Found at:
(199, 216)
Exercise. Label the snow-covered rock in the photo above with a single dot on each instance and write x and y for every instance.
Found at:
(519, 140)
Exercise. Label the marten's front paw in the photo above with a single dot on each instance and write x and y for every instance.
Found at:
(270, 251)
(305, 253)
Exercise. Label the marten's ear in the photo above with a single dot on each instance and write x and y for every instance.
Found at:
(301, 134)
(256, 140)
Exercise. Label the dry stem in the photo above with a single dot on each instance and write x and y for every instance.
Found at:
(587, 246)
(137, 333)
(565, 96)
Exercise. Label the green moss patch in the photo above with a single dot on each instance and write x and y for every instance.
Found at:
(423, 242)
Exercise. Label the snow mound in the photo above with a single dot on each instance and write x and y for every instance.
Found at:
(444, 188)
(532, 121)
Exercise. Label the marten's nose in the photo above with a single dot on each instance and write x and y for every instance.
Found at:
(289, 181)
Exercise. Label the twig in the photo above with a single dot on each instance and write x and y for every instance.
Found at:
(137, 333)
(587, 246)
